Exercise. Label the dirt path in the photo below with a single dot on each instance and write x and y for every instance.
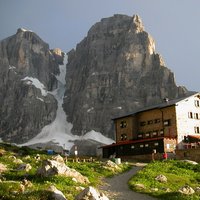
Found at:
(117, 187)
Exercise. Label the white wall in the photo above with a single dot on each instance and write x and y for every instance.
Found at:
(185, 125)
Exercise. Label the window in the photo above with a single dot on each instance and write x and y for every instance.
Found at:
(132, 146)
(156, 144)
(146, 145)
(141, 146)
(147, 134)
(123, 136)
(161, 132)
(150, 122)
(155, 133)
(196, 103)
(142, 123)
(123, 124)
(196, 116)
(190, 115)
(196, 129)
(157, 121)
(166, 122)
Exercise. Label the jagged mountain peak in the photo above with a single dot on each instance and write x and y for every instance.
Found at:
(27, 72)
(19, 30)
(114, 71)
(138, 25)
(119, 22)
(29, 35)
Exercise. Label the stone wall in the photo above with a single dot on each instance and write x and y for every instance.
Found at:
(189, 154)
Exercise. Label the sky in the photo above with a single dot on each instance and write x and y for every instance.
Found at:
(174, 25)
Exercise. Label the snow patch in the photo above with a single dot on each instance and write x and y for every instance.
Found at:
(12, 67)
(119, 107)
(94, 73)
(59, 131)
(97, 136)
(40, 99)
(36, 83)
(90, 109)
(25, 30)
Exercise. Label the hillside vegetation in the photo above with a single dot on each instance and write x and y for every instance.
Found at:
(19, 184)
(177, 173)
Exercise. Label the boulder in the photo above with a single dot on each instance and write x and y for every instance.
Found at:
(27, 183)
(3, 168)
(91, 193)
(186, 190)
(52, 167)
(197, 189)
(190, 162)
(111, 166)
(58, 158)
(139, 186)
(56, 194)
(161, 178)
(17, 161)
(2, 152)
(24, 167)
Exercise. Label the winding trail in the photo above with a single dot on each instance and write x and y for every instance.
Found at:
(116, 188)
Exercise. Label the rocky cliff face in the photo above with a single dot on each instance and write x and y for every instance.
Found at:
(113, 71)
(27, 72)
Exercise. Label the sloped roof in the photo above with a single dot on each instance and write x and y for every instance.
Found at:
(194, 136)
(132, 142)
(161, 105)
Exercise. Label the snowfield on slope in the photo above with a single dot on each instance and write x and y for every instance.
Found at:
(59, 131)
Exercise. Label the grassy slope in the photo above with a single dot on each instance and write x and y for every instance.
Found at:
(178, 174)
(10, 187)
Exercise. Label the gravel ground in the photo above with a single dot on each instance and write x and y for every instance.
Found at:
(117, 187)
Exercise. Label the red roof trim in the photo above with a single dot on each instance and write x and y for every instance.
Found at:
(194, 136)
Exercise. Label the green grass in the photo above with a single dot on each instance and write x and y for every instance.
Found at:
(10, 187)
(178, 174)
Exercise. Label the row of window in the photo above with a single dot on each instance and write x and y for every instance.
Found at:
(154, 133)
(155, 121)
(144, 145)
(123, 124)
(149, 134)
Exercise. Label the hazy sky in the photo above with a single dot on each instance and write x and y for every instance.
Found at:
(174, 25)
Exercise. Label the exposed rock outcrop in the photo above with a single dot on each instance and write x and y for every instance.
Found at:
(161, 178)
(53, 167)
(91, 193)
(113, 71)
(27, 72)
(56, 194)
(186, 190)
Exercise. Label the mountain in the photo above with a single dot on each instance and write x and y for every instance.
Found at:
(114, 71)
(27, 74)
